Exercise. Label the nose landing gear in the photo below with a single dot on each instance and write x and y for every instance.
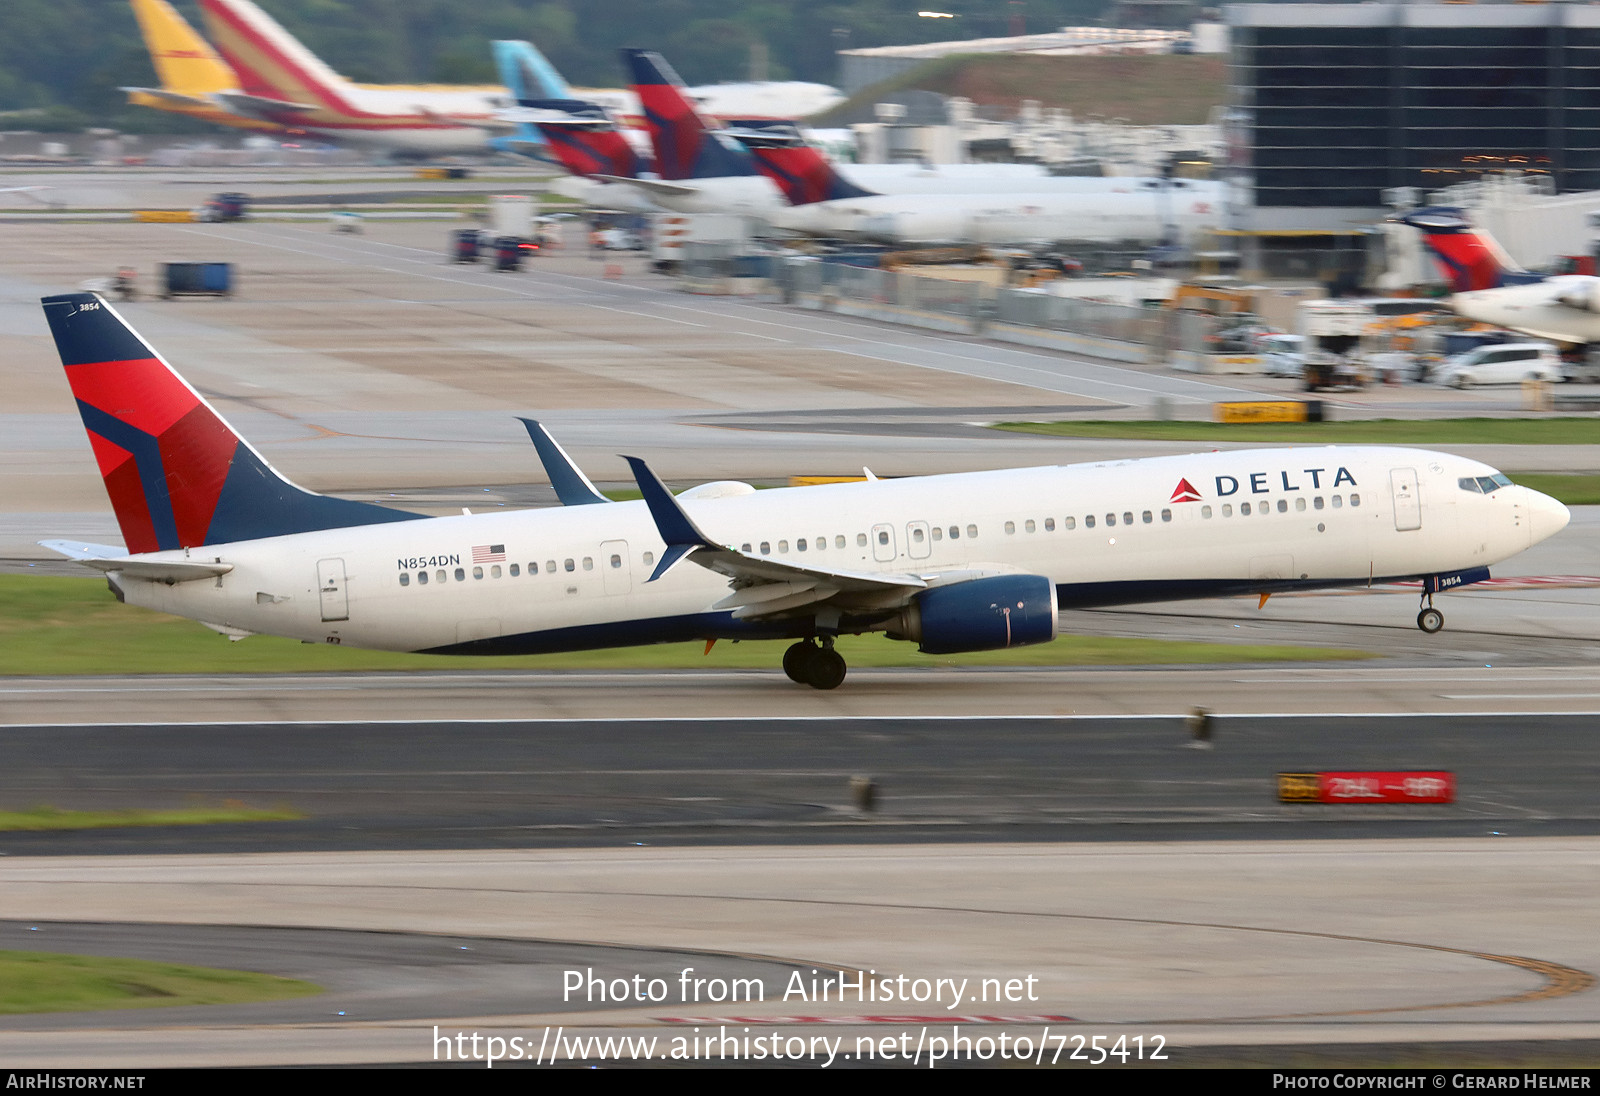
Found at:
(820, 667)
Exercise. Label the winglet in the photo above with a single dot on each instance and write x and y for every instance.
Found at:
(572, 486)
(682, 535)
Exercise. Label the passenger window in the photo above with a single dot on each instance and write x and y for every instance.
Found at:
(1166, 515)
(405, 578)
(569, 565)
(917, 535)
(422, 578)
(783, 547)
(1050, 523)
(938, 533)
(1111, 519)
(1011, 528)
(861, 540)
(550, 566)
(766, 547)
(1244, 509)
(822, 544)
(616, 563)
(972, 531)
(1127, 517)
(494, 572)
(955, 532)
(516, 568)
(649, 558)
(1355, 499)
(1316, 503)
(441, 575)
(1088, 521)
(1070, 523)
(1205, 512)
(838, 542)
(1227, 510)
(461, 574)
(745, 548)
(1028, 526)
(1147, 517)
(477, 572)
(588, 563)
(800, 544)
(1283, 506)
(1338, 501)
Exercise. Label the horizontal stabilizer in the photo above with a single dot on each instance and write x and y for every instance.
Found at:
(257, 106)
(106, 557)
(172, 98)
(651, 186)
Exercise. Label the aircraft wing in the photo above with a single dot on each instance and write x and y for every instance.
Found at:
(107, 557)
(761, 586)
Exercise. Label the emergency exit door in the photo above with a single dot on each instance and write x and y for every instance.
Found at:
(331, 591)
(1407, 501)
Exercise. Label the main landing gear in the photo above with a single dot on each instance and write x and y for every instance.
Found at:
(1430, 620)
(820, 667)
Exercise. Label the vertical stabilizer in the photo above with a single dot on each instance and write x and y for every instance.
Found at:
(178, 475)
(184, 62)
(801, 172)
(687, 144)
(581, 137)
(269, 61)
(1470, 258)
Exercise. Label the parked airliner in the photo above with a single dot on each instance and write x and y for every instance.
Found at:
(1491, 288)
(968, 562)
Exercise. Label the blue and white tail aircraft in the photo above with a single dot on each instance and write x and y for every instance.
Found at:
(953, 563)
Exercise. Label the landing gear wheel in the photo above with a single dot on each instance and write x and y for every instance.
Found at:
(825, 669)
(1430, 620)
(796, 659)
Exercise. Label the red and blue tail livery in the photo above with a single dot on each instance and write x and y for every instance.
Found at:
(582, 136)
(801, 172)
(1470, 259)
(177, 473)
(687, 144)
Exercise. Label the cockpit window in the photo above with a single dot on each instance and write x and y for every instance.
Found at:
(1483, 485)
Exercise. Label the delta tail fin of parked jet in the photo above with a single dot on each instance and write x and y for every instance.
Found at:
(954, 563)
(274, 68)
(1489, 287)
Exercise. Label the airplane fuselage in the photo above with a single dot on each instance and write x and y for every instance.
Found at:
(1564, 308)
(1111, 533)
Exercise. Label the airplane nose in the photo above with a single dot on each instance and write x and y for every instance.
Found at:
(1546, 516)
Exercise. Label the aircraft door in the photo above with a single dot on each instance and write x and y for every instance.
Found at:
(918, 544)
(614, 566)
(1407, 500)
(331, 589)
(883, 549)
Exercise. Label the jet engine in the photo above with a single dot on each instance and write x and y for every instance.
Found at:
(982, 614)
(1585, 295)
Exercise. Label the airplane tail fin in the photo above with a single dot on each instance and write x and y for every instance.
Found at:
(583, 139)
(526, 73)
(184, 62)
(178, 475)
(802, 173)
(688, 145)
(1471, 259)
(269, 61)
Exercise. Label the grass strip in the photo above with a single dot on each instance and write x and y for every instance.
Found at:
(47, 982)
(54, 818)
(54, 625)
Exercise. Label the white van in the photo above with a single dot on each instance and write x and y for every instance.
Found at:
(1502, 363)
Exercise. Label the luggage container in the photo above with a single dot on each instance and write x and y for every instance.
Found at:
(196, 280)
(464, 245)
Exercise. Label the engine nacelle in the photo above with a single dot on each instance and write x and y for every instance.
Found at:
(1584, 295)
(982, 614)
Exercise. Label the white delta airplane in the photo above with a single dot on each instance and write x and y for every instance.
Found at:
(969, 562)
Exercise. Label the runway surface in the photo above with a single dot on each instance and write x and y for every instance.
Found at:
(370, 366)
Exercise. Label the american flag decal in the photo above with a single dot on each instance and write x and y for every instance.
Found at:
(488, 553)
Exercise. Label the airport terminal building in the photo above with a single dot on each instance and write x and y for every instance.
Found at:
(1334, 104)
